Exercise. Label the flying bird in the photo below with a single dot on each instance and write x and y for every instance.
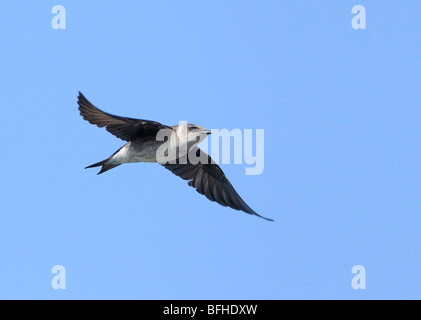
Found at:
(143, 145)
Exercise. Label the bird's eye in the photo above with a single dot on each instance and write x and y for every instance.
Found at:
(194, 128)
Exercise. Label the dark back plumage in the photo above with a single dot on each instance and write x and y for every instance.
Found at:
(127, 129)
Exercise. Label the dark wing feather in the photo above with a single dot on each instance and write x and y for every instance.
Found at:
(124, 128)
(209, 180)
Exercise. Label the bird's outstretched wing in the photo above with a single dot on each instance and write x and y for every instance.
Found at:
(209, 180)
(124, 128)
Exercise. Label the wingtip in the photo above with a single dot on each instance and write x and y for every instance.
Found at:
(268, 219)
(80, 96)
(254, 213)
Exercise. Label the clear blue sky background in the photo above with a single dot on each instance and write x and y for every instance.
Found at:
(341, 113)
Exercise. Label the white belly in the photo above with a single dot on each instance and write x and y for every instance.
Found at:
(128, 154)
(122, 156)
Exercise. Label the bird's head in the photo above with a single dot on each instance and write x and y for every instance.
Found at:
(190, 134)
(196, 132)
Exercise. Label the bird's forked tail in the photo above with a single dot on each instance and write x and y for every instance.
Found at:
(105, 166)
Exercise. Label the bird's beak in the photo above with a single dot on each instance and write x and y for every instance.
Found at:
(208, 132)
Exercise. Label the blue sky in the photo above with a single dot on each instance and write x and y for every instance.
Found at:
(340, 110)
